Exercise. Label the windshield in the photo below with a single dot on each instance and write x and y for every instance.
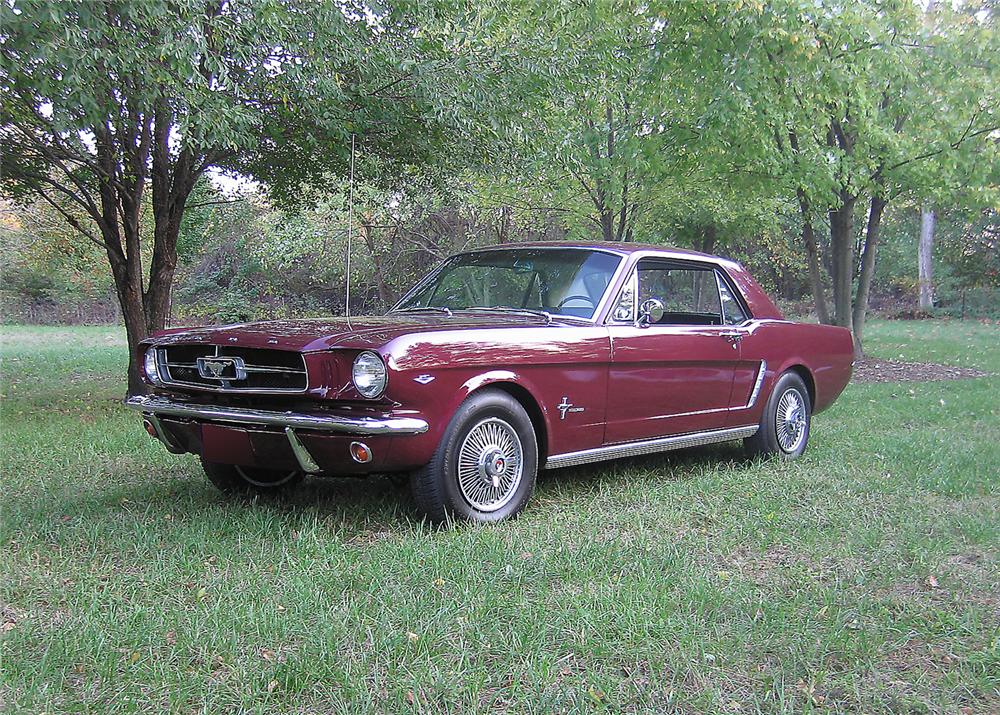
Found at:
(564, 281)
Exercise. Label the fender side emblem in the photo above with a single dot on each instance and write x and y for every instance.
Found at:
(566, 406)
(424, 379)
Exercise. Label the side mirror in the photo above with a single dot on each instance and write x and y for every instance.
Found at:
(651, 311)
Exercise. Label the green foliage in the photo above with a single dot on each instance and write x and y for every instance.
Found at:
(48, 274)
(694, 123)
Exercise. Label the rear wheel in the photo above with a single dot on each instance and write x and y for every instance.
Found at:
(234, 479)
(485, 467)
(785, 423)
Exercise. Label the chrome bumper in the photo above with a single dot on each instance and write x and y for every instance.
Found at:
(297, 420)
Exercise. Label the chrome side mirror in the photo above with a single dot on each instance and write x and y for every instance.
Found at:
(651, 311)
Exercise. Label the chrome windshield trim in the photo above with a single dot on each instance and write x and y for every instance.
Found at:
(298, 420)
(648, 446)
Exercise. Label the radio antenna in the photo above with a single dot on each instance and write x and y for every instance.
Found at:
(350, 227)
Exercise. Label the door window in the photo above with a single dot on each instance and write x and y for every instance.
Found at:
(690, 295)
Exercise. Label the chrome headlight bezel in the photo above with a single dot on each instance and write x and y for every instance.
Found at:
(369, 374)
(150, 366)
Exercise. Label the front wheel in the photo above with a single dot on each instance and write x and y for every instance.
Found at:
(234, 479)
(785, 423)
(485, 467)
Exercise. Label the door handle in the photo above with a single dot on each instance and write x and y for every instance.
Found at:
(734, 337)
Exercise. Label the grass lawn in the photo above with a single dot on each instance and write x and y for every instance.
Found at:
(864, 577)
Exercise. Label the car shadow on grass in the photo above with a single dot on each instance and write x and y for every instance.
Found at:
(352, 504)
(386, 498)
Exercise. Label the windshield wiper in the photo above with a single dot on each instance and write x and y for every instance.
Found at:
(521, 311)
(424, 309)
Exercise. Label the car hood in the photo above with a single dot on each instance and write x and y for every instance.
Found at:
(316, 334)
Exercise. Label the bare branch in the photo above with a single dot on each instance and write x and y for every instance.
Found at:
(71, 220)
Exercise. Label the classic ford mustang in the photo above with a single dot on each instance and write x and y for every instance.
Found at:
(501, 362)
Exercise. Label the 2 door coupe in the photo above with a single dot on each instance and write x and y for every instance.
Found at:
(501, 362)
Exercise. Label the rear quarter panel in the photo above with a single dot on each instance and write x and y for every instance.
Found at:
(825, 351)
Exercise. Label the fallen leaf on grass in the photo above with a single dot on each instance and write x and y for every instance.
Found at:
(932, 582)
(596, 694)
(272, 685)
(412, 637)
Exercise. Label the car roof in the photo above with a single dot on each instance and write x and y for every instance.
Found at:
(621, 248)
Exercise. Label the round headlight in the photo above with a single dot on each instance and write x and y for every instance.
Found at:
(149, 365)
(369, 374)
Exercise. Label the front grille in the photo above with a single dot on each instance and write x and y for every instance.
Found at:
(231, 369)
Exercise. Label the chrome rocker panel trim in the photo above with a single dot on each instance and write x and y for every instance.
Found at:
(241, 415)
(648, 446)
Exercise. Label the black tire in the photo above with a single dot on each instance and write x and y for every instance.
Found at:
(788, 442)
(484, 426)
(233, 479)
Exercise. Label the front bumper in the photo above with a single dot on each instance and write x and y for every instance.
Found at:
(296, 420)
(153, 408)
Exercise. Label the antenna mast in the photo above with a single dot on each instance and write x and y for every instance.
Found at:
(350, 227)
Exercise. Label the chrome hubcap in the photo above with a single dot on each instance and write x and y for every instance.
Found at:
(490, 465)
(790, 420)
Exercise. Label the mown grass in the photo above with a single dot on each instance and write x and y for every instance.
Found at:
(863, 577)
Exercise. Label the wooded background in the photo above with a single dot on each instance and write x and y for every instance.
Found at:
(847, 152)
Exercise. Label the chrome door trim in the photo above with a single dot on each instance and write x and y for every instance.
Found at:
(648, 446)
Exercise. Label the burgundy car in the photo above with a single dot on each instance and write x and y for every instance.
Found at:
(501, 362)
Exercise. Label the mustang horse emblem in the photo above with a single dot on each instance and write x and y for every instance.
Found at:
(215, 368)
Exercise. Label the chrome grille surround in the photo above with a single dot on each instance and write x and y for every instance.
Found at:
(253, 370)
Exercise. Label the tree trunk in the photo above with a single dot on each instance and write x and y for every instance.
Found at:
(708, 238)
(607, 224)
(925, 256)
(875, 213)
(133, 315)
(842, 248)
(384, 292)
(812, 258)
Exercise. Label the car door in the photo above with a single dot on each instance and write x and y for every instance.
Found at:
(673, 375)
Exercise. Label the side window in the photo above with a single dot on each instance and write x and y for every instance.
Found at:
(624, 310)
(690, 295)
(732, 311)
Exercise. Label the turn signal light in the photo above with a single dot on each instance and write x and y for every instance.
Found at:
(360, 452)
(150, 430)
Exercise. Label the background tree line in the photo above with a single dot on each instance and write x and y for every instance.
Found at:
(809, 140)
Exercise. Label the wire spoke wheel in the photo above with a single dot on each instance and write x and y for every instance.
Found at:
(490, 465)
(790, 420)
